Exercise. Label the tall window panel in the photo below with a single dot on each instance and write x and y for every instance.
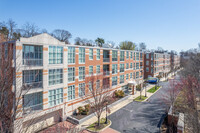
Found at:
(131, 75)
(81, 55)
(131, 55)
(91, 53)
(127, 76)
(71, 74)
(114, 55)
(98, 69)
(55, 55)
(121, 67)
(71, 55)
(121, 79)
(55, 76)
(98, 54)
(114, 68)
(81, 91)
(71, 92)
(55, 97)
(137, 56)
(137, 66)
(131, 65)
(121, 55)
(97, 84)
(127, 65)
(81, 73)
(90, 70)
(127, 54)
(137, 75)
(114, 81)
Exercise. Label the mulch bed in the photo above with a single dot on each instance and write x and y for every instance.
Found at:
(92, 109)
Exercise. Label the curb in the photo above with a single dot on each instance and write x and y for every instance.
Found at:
(101, 129)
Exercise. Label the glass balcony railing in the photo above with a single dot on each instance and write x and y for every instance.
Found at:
(33, 85)
(33, 62)
(32, 109)
(106, 60)
(106, 72)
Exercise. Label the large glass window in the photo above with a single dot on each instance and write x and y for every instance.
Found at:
(55, 97)
(55, 76)
(81, 73)
(55, 55)
(71, 74)
(137, 75)
(81, 91)
(147, 63)
(71, 92)
(147, 56)
(90, 70)
(81, 55)
(114, 55)
(32, 78)
(147, 69)
(97, 84)
(137, 66)
(131, 75)
(32, 102)
(121, 79)
(131, 65)
(98, 54)
(71, 55)
(127, 65)
(91, 54)
(134, 67)
(127, 76)
(114, 68)
(98, 70)
(114, 81)
(121, 55)
(141, 56)
(127, 54)
(32, 55)
(121, 67)
(137, 56)
(131, 55)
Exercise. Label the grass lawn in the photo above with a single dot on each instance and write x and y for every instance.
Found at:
(93, 127)
(140, 100)
(152, 90)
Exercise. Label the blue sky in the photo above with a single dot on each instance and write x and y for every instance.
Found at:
(170, 24)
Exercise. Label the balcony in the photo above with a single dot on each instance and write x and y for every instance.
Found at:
(32, 85)
(106, 72)
(33, 62)
(32, 109)
(106, 56)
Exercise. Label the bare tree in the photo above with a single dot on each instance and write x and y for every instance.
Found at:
(29, 30)
(62, 35)
(11, 27)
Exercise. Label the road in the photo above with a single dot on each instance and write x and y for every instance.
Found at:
(142, 117)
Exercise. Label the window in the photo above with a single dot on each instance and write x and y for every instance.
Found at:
(131, 55)
(147, 56)
(81, 91)
(71, 55)
(114, 81)
(90, 70)
(121, 67)
(134, 56)
(137, 56)
(114, 55)
(137, 75)
(97, 84)
(98, 54)
(151, 70)
(81, 73)
(33, 102)
(147, 63)
(127, 66)
(71, 92)
(55, 97)
(71, 74)
(114, 68)
(32, 55)
(32, 78)
(90, 86)
(55, 76)
(127, 76)
(134, 67)
(55, 55)
(91, 54)
(121, 79)
(131, 75)
(121, 55)
(131, 65)
(98, 70)
(127, 54)
(81, 55)
(147, 69)
(137, 65)
(141, 56)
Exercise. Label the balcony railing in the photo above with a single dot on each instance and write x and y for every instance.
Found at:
(106, 72)
(106, 59)
(121, 59)
(33, 85)
(121, 81)
(114, 59)
(32, 109)
(33, 62)
(114, 83)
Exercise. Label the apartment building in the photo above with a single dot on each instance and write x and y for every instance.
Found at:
(48, 76)
(156, 64)
(174, 61)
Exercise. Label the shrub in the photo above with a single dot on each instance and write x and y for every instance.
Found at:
(84, 112)
(80, 110)
(119, 93)
(87, 107)
(138, 87)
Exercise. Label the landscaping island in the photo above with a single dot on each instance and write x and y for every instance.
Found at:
(95, 128)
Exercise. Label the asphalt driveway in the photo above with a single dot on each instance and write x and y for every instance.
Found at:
(141, 117)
